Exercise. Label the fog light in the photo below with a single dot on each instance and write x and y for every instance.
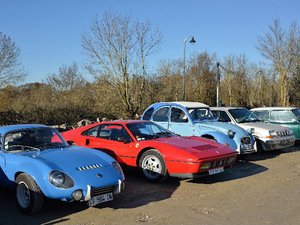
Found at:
(77, 195)
(205, 166)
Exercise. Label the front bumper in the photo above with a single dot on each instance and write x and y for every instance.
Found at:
(277, 143)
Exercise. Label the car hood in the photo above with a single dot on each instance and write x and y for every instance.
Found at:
(222, 127)
(262, 127)
(71, 158)
(201, 148)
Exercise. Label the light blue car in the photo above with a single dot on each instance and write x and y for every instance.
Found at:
(38, 163)
(196, 119)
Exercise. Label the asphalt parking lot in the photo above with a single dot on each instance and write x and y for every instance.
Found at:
(264, 189)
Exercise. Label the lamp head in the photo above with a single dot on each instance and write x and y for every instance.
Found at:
(192, 41)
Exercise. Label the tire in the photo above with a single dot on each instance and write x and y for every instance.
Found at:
(153, 166)
(29, 196)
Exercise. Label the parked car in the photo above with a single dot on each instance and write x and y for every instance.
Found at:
(283, 116)
(157, 151)
(268, 136)
(196, 119)
(39, 163)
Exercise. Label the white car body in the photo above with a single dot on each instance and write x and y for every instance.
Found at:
(268, 136)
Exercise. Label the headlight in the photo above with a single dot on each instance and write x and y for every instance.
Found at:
(118, 168)
(230, 133)
(61, 180)
(272, 133)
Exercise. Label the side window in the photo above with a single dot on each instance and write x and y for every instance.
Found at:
(223, 117)
(263, 115)
(114, 132)
(178, 116)
(148, 113)
(162, 115)
(93, 132)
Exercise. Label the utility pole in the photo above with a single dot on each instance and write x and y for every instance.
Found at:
(218, 84)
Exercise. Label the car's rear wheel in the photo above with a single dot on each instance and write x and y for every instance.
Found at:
(153, 166)
(29, 196)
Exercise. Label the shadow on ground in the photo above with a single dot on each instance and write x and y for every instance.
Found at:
(240, 170)
(137, 193)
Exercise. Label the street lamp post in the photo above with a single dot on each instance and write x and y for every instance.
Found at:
(192, 41)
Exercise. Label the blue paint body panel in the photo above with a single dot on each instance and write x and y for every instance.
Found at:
(204, 128)
(68, 159)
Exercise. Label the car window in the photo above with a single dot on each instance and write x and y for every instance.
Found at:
(223, 117)
(162, 115)
(33, 139)
(93, 132)
(114, 132)
(284, 116)
(263, 115)
(178, 116)
(148, 113)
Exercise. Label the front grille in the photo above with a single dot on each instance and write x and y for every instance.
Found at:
(245, 141)
(101, 190)
(283, 133)
(204, 147)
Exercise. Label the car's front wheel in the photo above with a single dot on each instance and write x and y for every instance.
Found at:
(29, 196)
(153, 166)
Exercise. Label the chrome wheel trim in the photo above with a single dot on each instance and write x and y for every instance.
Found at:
(152, 166)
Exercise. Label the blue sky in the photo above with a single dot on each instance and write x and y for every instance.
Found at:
(48, 32)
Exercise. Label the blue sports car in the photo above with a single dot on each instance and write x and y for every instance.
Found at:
(39, 163)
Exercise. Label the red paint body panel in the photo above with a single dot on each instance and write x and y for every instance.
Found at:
(182, 155)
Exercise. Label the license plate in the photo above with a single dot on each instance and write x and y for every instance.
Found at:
(100, 198)
(215, 170)
(247, 146)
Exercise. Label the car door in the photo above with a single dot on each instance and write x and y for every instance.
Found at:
(180, 122)
(161, 116)
(114, 140)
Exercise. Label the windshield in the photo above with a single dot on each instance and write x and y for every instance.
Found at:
(243, 115)
(297, 113)
(33, 139)
(198, 114)
(148, 130)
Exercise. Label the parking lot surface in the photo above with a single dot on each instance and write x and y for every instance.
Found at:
(264, 189)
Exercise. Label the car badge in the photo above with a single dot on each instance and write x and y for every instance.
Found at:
(137, 145)
(217, 152)
(99, 175)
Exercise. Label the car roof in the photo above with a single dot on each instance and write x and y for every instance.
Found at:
(226, 108)
(182, 103)
(8, 128)
(274, 108)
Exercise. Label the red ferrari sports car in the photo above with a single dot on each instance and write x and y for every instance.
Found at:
(156, 150)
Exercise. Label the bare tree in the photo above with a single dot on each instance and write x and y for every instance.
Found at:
(68, 78)
(118, 47)
(11, 71)
(282, 48)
